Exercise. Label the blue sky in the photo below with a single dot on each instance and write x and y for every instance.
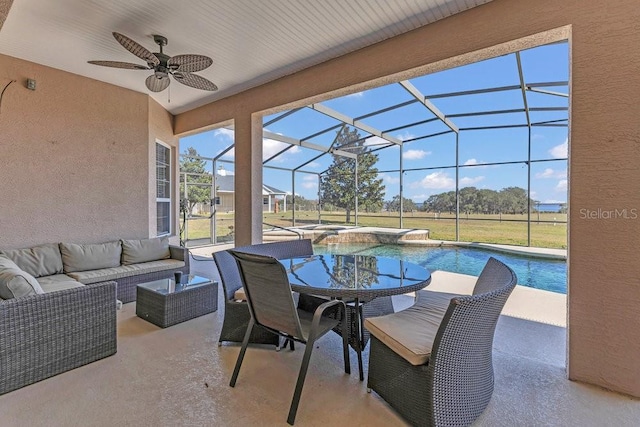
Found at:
(477, 148)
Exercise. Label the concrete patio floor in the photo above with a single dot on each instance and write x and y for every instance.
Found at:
(179, 377)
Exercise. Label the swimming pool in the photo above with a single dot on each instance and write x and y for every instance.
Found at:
(546, 274)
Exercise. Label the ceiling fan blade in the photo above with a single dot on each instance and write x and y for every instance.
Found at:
(189, 63)
(155, 84)
(117, 64)
(136, 49)
(194, 81)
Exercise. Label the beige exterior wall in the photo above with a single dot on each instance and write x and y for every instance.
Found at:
(604, 272)
(78, 159)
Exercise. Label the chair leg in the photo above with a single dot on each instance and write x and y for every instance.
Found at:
(245, 343)
(300, 383)
(291, 345)
(345, 347)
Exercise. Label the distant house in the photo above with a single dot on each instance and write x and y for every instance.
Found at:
(273, 200)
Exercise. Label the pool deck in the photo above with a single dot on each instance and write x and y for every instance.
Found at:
(524, 303)
(328, 234)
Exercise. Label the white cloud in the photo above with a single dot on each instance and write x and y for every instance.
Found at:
(562, 185)
(550, 173)
(533, 195)
(435, 180)
(547, 173)
(471, 162)
(309, 182)
(390, 179)
(467, 181)
(415, 154)
(355, 95)
(313, 165)
(270, 147)
(560, 151)
(375, 141)
(405, 136)
(228, 133)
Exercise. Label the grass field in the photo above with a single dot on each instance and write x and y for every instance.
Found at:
(548, 230)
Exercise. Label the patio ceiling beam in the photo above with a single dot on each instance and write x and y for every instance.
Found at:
(473, 92)
(430, 106)
(523, 89)
(287, 148)
(309, 161)
(353, 122)
(282, 116)
(548, 84)
(547, 92)
(305, 144)
(421, 122)
(306, 138)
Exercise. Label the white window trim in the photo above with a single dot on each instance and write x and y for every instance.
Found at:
(164, 199)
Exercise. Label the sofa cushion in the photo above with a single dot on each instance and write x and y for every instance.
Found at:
(14, 282)
(115, 273)
(90, 256)
(144, 250)
(411, 332)
(58, 282)
(38, 261)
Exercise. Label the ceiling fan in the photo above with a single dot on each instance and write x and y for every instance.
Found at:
(181, 67)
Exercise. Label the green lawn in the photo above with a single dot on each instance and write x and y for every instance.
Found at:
(548, 230)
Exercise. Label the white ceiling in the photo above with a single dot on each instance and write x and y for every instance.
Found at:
(251, 41)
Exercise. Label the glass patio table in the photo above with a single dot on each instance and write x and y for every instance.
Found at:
(354, 278)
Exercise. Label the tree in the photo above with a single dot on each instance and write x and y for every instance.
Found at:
(198, 180)
(338, 184)
(513, 200)
(407, 205)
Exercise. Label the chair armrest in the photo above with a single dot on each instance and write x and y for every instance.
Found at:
(324, 306)
(180, 253)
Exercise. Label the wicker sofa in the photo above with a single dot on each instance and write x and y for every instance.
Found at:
(58, 302)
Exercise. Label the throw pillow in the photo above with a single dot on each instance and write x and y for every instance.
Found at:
(15, 283)
(144, 250)
(90, 256)
(42, 260)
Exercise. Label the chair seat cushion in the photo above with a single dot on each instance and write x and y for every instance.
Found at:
(410, 333)
(239, 295)
(58, 282)
(115, 273)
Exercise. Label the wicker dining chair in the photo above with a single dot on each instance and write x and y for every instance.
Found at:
(236, 312)
(272, 306)
(433, 361)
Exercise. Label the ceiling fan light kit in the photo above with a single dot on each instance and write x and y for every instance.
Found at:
(181, 67)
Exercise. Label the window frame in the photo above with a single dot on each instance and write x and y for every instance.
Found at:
(168, 179)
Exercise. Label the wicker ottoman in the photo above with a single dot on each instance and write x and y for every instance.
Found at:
(164, 304)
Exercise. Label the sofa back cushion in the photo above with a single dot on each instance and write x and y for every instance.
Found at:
(14, 282)
(144, 250)
(38, 261)
(90, 256)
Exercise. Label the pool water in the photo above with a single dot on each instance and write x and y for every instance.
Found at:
(539, 273)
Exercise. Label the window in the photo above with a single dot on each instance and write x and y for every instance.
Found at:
(163, 188)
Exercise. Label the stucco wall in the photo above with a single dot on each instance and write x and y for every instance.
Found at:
(75, 158)
(604, 272)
